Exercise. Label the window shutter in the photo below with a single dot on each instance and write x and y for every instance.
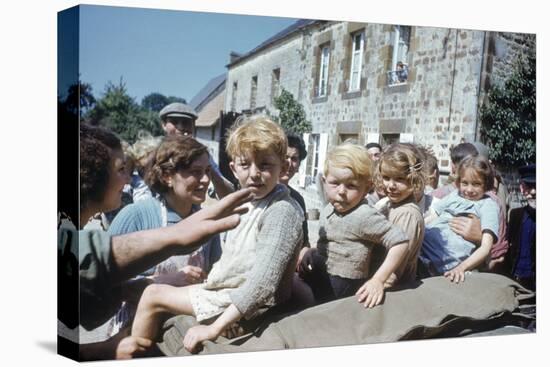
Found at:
(303, 166)
(323, 147)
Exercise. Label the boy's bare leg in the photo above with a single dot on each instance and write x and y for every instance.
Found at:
(156, 300)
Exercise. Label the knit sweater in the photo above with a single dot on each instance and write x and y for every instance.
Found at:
(279, 240)
(346, 240)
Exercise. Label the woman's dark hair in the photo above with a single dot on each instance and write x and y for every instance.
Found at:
(295, 141)
(96, 145)
(175, 152)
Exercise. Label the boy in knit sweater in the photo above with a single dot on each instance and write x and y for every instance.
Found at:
(348, 229)
(259, 256)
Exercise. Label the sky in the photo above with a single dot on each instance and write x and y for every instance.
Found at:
(174, 53)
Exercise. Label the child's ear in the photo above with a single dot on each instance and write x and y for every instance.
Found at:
(323, 179)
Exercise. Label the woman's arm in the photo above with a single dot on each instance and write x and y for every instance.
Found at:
(473, 261)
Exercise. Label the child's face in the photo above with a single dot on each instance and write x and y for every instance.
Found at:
(260, 172)
(190, 184)
(343, 190)
(471, 185)
(397, 186)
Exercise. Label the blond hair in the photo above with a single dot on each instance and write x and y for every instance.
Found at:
(144, 145)
(352, 156)
(403, 160)
(253, 134)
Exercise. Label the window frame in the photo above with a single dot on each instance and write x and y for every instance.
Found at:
(398, 55)
(324, 64)
(253, 91)
(357, 60)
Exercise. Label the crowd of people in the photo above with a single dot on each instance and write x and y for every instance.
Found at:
(145, 249)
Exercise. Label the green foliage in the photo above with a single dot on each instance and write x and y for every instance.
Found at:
(508, 119)
(119, 112)
(292, 116)
(79, 99)
(156, 101)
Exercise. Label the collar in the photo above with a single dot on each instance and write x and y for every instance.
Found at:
(334, 212)
(172, 217)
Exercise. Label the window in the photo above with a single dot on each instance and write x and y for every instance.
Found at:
(234, 96)
(275, 83)
(358, 41)
(253, 92)
(399, 72)
(388, 139)
(323, 71)
(351, 138)
(313, 156)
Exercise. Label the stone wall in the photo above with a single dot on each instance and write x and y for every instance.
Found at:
(449, 72)
(437, 105)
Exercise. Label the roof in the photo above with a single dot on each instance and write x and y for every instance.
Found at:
(296, 26)
(210, 111)
(208, 91)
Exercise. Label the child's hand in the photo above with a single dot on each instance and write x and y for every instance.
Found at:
(457, 274)
(193, 274)
(196, 335)
(307, 263)
(372, 292)
(301, 255)
(188, 274)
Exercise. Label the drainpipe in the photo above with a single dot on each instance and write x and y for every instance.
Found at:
(452, 85)
(482, 69)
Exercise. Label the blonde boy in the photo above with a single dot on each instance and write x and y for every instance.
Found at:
(348, 229)
(258, 257)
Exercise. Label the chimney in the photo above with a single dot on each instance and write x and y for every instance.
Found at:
(234, 56)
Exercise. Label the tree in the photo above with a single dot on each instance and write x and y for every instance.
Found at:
(79, 98)
(508, 119)
(292, 116)
(156, 101)
(119, 112)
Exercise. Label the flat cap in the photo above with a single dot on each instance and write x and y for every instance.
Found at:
(528, 173)
(177, 109)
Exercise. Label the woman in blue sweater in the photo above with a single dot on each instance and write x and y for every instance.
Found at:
(179, 177)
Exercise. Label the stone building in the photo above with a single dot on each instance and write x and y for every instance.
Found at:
(209, 103)
(375, 83)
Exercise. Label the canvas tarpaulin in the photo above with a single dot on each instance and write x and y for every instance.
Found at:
(432, 307)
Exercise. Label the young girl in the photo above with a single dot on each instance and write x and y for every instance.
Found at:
(258, 259)
(445, 252)
(349, 228)
(400, 172)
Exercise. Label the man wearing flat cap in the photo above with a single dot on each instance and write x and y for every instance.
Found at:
(522, 232)
(179, 118)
